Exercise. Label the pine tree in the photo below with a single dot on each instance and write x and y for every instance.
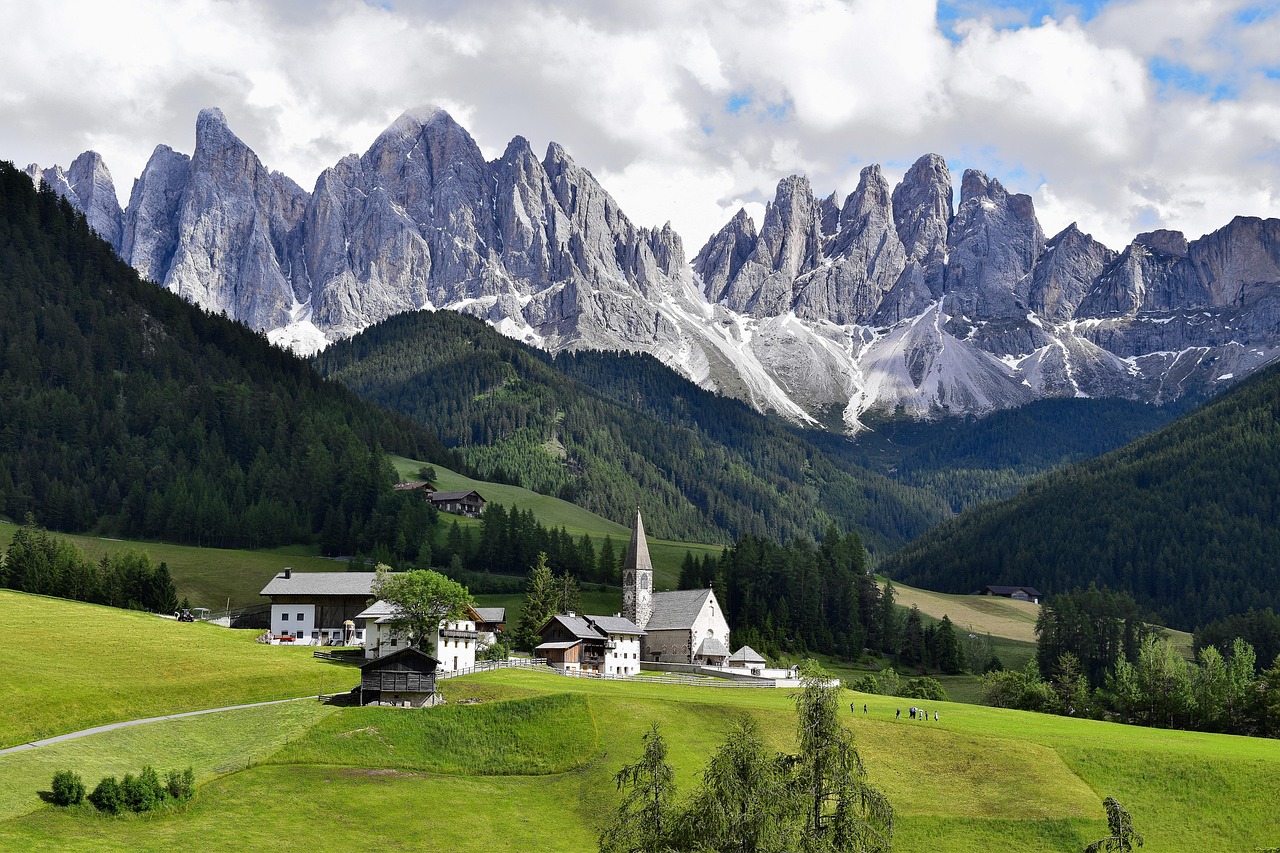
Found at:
(541, 601)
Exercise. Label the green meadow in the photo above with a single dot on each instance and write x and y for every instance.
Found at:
(75, 666)
(524, 760)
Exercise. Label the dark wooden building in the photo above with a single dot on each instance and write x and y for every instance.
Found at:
(406, 679)
(468, 503)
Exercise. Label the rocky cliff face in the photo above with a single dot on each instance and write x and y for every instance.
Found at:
(88, 186)
(889, 301)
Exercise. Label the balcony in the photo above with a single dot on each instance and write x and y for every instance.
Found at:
(458, 634)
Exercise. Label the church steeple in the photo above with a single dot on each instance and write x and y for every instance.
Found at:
(637, 577)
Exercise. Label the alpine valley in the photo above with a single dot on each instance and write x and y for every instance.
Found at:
(894, 301)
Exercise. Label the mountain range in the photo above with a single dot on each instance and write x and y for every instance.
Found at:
(892, 301)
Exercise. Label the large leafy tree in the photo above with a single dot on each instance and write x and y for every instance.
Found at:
(423, 599)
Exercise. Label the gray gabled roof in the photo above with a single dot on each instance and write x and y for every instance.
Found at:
(995, 589)
(321, 583)
(712, 648)
(676, 609)
(746, 654)
(576, 625)
(560, 646)
(492, 615)
(615, 625)
(453, 496)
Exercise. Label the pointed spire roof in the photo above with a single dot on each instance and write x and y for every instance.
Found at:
(638, 550)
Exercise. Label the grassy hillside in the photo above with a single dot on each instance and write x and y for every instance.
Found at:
(531, 765)
(73, 666)
(1186, 520)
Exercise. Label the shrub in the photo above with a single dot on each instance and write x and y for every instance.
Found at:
(925, 688)
(865, 684)
(68, 788)
(106, 797)
(138, 796)
(181, 786)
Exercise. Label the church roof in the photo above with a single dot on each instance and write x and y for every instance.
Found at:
(676, 609)
(712, 648)
(638, 551)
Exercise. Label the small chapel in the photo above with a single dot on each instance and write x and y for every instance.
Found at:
(681, 626)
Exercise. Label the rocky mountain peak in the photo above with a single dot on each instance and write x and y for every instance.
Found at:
(994, 243)
(1169, 242)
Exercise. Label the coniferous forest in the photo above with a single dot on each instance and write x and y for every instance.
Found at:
(1186, 520)
(610, 432)
(129, 412)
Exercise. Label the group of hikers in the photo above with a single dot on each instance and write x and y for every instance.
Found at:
(912, 713)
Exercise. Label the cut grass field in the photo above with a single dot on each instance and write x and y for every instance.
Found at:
(74, 666)
(530, 766)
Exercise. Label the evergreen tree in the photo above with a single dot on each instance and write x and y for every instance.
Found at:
(541, 601)
(643, 823)
(843, 812)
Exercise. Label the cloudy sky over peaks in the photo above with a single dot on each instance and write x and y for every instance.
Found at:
(1125, 115)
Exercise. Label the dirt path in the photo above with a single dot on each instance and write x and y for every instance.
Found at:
(112, 726)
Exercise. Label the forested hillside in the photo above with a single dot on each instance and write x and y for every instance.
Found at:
(1186, 520)
(610, 432)
(129, 412)
(970, 460)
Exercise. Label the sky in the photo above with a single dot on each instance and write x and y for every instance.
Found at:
(1120, 115)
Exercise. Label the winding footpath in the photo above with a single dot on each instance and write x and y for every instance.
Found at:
(112, 726)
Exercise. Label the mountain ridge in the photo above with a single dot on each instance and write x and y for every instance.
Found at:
(894, 301)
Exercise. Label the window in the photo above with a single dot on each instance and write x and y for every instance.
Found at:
(315, 635)
(393, 641)
(284, 617)
(301, 617)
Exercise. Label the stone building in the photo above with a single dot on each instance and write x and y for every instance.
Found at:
(681, 626)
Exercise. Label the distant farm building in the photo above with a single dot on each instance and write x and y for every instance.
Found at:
(405, 678)
(421, 486)
(1018, 593)
(468, 503)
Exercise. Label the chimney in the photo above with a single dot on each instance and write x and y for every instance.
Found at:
(288, 572)
(571, 614)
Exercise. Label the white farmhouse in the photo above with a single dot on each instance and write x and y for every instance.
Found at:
(456, 643)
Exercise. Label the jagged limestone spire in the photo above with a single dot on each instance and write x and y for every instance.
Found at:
(637, 577)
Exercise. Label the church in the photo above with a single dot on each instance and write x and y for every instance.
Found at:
(681, 626)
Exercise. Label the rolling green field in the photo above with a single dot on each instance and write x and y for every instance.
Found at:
(530, 764)
(73, 666)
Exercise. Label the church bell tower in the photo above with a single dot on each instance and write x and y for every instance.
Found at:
(637, 577)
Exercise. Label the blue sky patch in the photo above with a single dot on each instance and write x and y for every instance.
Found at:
(1013, 14)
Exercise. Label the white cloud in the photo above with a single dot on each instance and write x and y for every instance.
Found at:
(688, 111)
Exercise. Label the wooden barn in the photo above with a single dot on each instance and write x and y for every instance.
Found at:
(405, 679)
